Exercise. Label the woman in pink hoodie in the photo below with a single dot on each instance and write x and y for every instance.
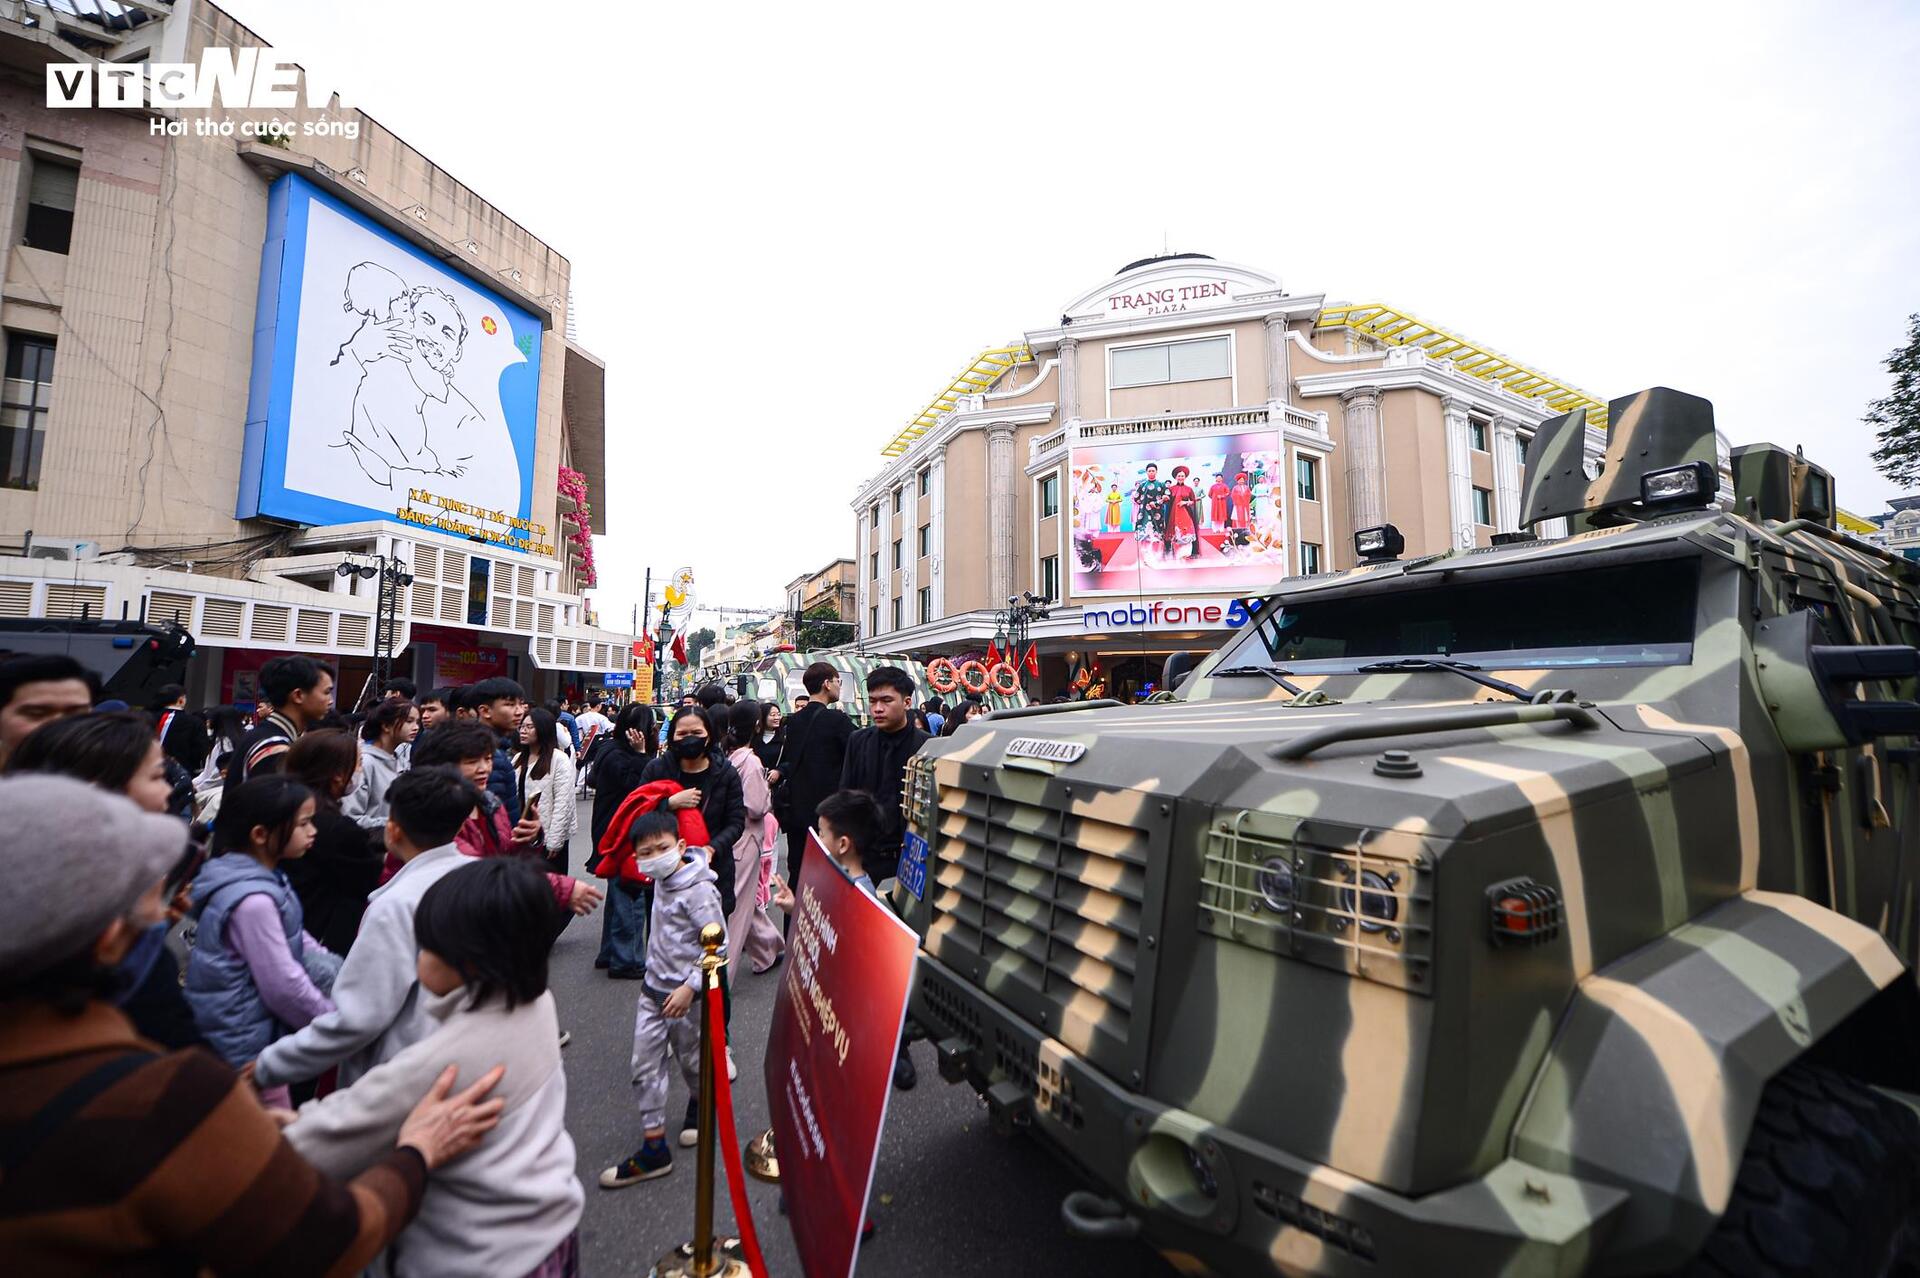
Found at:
(750, 933)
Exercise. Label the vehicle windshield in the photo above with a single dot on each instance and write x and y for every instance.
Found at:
(1628, 615)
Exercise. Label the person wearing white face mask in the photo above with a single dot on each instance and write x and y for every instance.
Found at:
(685, 901)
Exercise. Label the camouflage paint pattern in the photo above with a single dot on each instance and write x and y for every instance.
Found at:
(1351, 1076)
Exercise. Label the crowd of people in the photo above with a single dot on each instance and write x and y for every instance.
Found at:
(269, 1032)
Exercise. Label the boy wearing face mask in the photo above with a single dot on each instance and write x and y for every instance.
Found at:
(685, 900)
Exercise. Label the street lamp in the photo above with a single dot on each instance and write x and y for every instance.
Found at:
(393, 574)
(1014, 621)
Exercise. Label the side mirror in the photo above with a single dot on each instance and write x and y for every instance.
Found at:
(1177, 667)
(1808, 686)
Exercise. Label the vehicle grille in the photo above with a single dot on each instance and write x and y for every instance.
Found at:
(1360, 901)
(1042, 907)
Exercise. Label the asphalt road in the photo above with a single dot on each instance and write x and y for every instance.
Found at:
(950, 1198)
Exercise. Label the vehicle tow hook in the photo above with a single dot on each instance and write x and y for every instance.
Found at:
(1091, 1215)
(1009, 1108)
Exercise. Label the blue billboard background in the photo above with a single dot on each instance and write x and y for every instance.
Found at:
(380, 373)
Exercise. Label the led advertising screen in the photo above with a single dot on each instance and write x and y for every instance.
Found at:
(385, 385)
(1166, 516)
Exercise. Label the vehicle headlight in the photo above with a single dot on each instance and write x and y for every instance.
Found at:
(1275, 881)
(1377, 904)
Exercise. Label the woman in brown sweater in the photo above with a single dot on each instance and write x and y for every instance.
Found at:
(117, 1158)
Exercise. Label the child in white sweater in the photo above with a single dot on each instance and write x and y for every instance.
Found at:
(511, 1207)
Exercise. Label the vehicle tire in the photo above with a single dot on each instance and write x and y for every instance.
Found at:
(1828, 1185)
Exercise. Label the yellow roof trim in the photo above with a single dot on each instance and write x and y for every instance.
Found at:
(1393, 327)
(988, 367)
(1850, 522)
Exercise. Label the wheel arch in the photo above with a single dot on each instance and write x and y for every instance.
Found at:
(1684, 1034)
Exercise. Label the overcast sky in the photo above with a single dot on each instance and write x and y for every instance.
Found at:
(791, 225)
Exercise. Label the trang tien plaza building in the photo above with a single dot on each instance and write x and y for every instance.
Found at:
(1186, 435)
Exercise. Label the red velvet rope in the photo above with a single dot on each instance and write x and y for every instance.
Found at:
(729, 1139)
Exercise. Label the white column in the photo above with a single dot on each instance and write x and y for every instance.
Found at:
(1069, 379)
(1366, 467)
(887, 533)
(937, 483)
(862, 574)
(1459, 473)
(1506, 475)
(999, 513)
(1277, 361)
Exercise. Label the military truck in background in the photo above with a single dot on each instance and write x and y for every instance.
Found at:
(132, 659)
(1545, 908)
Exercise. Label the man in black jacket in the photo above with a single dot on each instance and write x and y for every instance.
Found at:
(812, 759)
(877, 763)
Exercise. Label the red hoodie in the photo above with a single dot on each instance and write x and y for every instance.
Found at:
(616, 848)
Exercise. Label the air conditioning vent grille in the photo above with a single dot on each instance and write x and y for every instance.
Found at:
(312, 628)
(269, 623)
(65, 600)
(169, 606)
(354, 629)
(220, 618)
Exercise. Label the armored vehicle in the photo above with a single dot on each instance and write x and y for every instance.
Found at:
(1545, 908)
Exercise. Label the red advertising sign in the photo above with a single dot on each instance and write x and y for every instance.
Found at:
(836, 1026)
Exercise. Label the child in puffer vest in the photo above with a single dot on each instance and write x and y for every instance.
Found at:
(254, 974)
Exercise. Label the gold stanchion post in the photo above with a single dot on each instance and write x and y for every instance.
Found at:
(706, 1256)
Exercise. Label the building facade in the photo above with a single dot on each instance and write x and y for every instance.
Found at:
(1187, 434)
(836, 586)
(256, 353)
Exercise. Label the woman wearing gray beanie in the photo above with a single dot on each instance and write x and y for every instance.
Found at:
(116, 1157)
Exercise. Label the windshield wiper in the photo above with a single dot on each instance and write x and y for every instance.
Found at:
(1274, 673)
(1465, 669)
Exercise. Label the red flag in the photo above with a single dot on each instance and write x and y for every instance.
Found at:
(993, 654)
(680, 649)
(1033, 660)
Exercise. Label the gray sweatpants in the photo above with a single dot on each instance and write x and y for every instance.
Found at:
(653, 1035)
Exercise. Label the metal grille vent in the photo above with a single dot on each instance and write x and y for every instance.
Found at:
(16, 598)
(1362, 905)
(354, 629)
(269, 622)
(523, 615)
(453, 603)
(426, 561)
(565, 647)
(165, 606)
(312, 628)
(1050, 902)
(220, 618)
(76, 601)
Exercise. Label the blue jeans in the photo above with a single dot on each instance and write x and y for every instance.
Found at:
(623, 926)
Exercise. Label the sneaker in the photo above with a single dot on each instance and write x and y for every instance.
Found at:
(601, 965)
(627, 973)
(566, 1036)
(904, 1075)
(733, 1071)
(653, 1159)
(690, 1125)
